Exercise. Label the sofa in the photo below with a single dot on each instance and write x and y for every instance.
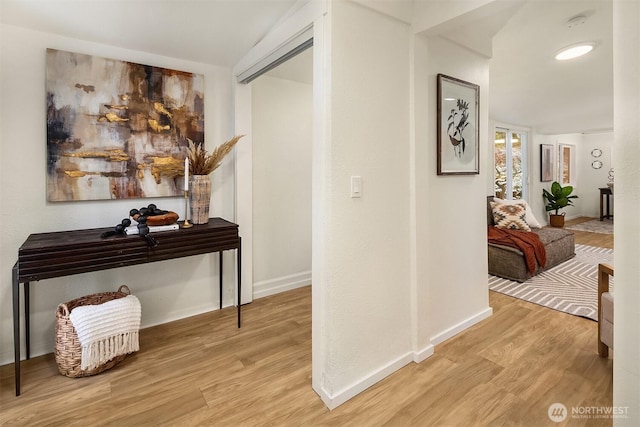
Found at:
(509, 263)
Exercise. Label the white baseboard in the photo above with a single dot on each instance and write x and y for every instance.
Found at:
(332, 401)
(423, 354)
(337, 399)
(456, 329)
(281, 284)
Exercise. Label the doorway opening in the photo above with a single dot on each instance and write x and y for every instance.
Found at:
(282, 141)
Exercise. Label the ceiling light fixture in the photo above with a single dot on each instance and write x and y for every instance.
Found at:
(574, 51)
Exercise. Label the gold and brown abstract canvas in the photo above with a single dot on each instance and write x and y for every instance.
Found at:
(117, 129)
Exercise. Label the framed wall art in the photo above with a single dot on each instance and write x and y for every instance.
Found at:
(458, 127)
(117, 129)
(567, 172)
(547, 162)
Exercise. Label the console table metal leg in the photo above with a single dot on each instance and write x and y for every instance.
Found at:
(27, 318)
(601, 206)
(220, 279)
(239, 280)
(15, 290)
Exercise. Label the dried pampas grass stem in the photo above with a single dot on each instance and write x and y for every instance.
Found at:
(203, 163)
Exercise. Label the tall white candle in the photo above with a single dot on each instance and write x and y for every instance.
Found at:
(186, 174)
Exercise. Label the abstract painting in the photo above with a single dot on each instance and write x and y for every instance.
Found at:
(117, 129)
(458, 132)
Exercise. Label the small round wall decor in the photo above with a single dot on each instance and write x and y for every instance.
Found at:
(596, 152)
(596, 164)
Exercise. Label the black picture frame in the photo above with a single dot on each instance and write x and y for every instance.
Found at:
(458, 151)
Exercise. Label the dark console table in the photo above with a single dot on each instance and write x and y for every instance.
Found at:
(605, 194)
(48, 255)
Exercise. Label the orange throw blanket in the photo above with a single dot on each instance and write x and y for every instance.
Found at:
(526, 241)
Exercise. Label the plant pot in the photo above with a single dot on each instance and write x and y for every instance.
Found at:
(556, 220)
(199, 198)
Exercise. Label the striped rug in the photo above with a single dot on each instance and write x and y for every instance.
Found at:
(571, 287)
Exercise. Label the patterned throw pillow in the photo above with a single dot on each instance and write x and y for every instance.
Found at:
(510, 216)
(532, 222)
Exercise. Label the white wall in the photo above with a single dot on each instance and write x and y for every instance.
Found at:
(450, 211)
(366, 313)
(282, 133)
(588, 180)
(626, 86)
(592, 179)
(453, 249)
(422, 164)
(536, 200)
(168, 290)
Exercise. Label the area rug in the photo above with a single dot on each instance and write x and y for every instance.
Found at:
(594, 226)
(571, 287)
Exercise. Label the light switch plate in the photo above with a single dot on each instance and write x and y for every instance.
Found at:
(356, 187)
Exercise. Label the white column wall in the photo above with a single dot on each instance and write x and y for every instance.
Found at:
(382, 125)
(626, 147)
(367, 317)
(423, 161)
(452, 247)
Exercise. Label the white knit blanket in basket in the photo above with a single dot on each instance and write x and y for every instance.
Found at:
(107, 330)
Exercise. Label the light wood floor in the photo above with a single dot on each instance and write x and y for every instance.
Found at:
(506, 370)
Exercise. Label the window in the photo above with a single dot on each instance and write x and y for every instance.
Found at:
(510, 164)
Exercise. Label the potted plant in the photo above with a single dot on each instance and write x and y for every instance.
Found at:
(559, 197)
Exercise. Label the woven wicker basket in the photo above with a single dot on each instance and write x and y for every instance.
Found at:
(68, 351)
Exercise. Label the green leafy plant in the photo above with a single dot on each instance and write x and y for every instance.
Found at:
(559, 197)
